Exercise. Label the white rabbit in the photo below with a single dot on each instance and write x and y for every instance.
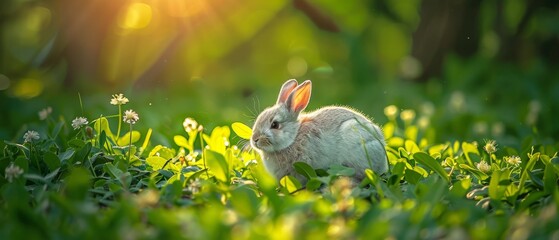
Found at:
(328, 136)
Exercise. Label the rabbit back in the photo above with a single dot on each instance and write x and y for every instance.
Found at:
(339, 135)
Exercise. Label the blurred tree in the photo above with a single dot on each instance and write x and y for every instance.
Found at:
(461, 27)
(320, 19)
(154, 42)
(82, 28)
(448, 26)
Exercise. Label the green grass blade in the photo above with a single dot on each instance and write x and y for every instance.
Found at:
(432, 164)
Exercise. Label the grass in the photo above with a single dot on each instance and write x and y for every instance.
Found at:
(88, 182)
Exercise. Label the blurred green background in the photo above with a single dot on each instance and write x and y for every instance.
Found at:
(470, 70)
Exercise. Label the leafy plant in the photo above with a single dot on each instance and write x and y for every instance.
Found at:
(88, 182)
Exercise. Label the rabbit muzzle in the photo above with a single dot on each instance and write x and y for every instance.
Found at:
(260, 142)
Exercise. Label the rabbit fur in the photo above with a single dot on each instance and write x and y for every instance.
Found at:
(331, 135)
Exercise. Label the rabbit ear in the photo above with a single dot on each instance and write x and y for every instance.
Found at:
(299, 97)
(286, 89)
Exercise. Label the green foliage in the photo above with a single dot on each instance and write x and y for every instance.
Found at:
(77, 185)
(243, 131)
(489, 77)
(430, 162)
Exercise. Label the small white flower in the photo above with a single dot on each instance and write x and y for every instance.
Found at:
(534, 108)
(12, 172)
(483, 166)
(191, 157)
(194, 186)
(79, 122)
(130, 116)
(190, 125)
(31, 135)
(480, 128)
(490, 146)
(251, 162)
(407, 115)
(391, 111)
(498, 129)
(428, 109)
(423, 122)
(457, 101)
(44, 113)
(513, 160)
(147, 198)
(119, 99)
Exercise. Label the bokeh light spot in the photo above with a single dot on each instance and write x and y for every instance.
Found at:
(28, 88)
(325, 69)
(410, 67)
(490, 44)
(135, 16)
(38, 18)
(4, 82)
(186, 8)
(297, 66)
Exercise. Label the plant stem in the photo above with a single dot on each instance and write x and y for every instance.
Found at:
(98, 132)
(204, 153)
(119, 121)
(90, 162)
(451, 170)
(31, 148)
(129, 142)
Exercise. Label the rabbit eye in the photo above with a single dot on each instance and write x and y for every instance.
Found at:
(275, 125)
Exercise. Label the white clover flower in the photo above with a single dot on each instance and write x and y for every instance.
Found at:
(457, 101)
(497, 129)
(191, 157)
(251, 162)
(513, 160)
(194, 186)
(423, 122)
(480, 128)
(30, 136)
(130, 116)
(119, 99)
(428, 109)
(79, 122)
(44, 113)
(490, 147)
(12, 172)
(483, 166)
(391, 111)
(147, 198)
(190, 125)
(534, 108)
(407, 115)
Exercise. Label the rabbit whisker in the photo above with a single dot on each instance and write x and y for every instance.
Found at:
(246, 146)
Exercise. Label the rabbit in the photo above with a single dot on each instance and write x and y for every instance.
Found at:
(333, 135)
